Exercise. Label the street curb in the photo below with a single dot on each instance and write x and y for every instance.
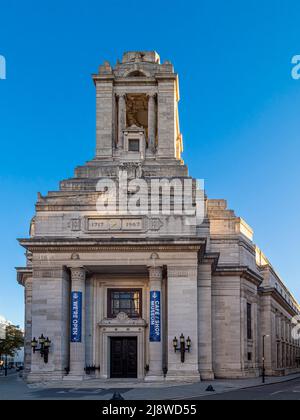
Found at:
(210, 394)
(271, 383)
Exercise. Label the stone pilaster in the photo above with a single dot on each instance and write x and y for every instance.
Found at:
(151, 122)
(272, 363)
(28, 325)
(49, 312)
(166, 103)
(104, 118)
(77, 350)
(182, 319)
(205, 321)
(121, 120)
(156, 348)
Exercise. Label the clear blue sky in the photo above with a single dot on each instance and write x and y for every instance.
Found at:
(240, 108)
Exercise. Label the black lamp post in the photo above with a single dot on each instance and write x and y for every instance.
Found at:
(184, 346)
(45, 345)
(5, 366)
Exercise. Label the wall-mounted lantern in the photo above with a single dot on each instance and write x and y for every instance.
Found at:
(45, 345)
(184, 346)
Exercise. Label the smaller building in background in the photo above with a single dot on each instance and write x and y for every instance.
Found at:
(3, 324)
(18, 358)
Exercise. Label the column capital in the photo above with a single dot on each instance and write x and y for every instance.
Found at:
(155, 273)
(121, 95)
(151, 95)
(78, 273)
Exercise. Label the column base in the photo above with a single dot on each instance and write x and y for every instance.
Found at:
(153, 377)
(207, 375)
(181, 376)
(74, 377)
(38, 377)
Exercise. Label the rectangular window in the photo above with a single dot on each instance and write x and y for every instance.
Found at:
(128, 301)
(133, 145)
(249, 357)
(249, 321)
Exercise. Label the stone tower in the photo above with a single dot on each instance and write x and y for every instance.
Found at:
(137, 109)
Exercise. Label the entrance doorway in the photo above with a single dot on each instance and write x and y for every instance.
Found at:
(123, 357)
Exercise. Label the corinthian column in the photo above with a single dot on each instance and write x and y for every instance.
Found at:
(151, 122)
(121, 119)
(77, 345)
(155, 340)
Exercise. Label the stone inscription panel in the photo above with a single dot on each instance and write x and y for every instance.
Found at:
(114, 224)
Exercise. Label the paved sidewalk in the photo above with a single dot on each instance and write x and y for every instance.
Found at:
(179, 392)
(14, 388)
(9, 372)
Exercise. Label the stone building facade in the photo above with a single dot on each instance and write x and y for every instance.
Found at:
(112, 290)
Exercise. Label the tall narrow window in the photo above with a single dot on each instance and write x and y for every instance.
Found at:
(249, 321)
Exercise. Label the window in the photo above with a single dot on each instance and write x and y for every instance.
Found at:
(128, 301)
(133, 145)
(249, 321)
(249, 357)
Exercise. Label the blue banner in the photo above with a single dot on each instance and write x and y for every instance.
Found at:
(155, 317)
(76, 317)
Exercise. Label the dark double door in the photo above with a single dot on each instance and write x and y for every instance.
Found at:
(123, 357)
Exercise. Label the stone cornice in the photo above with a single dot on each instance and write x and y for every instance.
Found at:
(111, 245)
(211, 258)
(103, 78)
(166, 76)
(235, 239)
(242, 271)
(23, 274)
(270, 268)
(272, 292)
(135, 81)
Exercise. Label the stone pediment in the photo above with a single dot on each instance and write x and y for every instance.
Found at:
(122, 320)
(134, 128)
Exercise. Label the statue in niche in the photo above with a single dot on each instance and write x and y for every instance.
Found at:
(137, 111)
(132, 118)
